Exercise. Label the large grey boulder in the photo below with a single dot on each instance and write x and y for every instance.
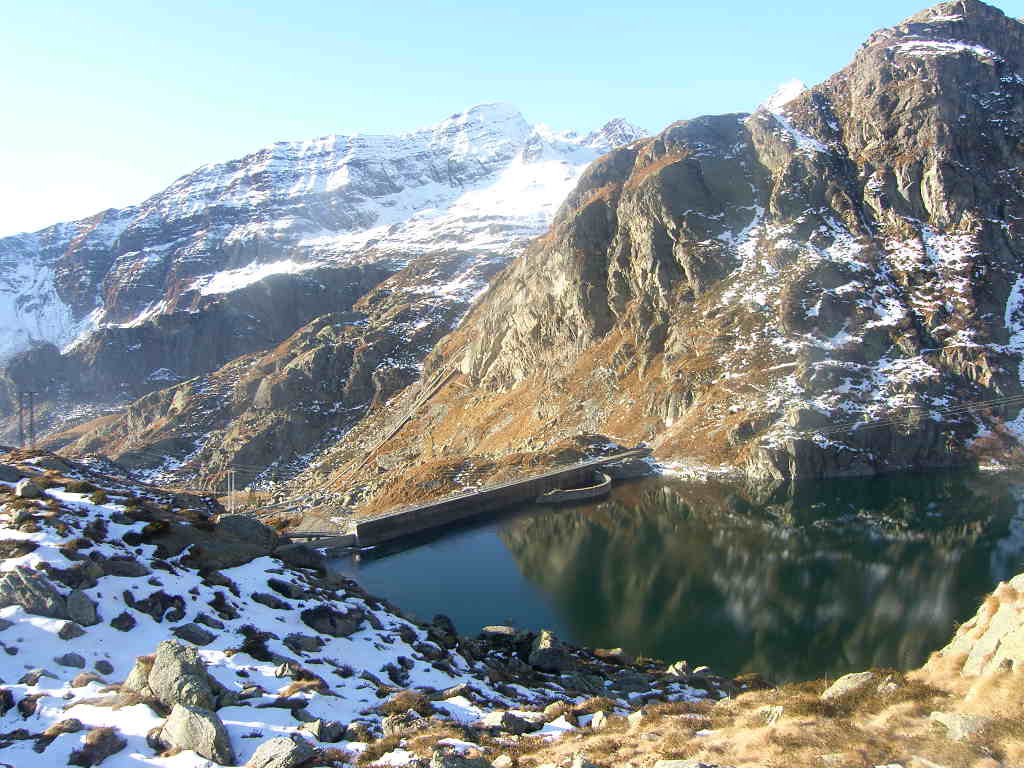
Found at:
(33, 592)
(960, 727)
(234, 541)
(330, 621)
(200, 730)
(178, 676)
(9, 474)
(281, 752)
(548, 655)
(324, 730)
(26, 489)
(847, 686)
(81, 609)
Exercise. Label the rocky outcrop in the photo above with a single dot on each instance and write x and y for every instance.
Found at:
(993, 640)
(809, 290)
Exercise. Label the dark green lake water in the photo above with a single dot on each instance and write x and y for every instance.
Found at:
(841, 576)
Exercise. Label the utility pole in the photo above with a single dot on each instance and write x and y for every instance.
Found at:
(32, 418)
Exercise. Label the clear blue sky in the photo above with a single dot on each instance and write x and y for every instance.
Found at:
(106, 103)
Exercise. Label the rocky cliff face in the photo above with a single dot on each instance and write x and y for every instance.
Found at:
(814, 289)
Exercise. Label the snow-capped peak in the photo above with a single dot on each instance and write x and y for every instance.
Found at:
(784, 94)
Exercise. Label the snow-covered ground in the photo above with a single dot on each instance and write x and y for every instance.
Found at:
(64, 534)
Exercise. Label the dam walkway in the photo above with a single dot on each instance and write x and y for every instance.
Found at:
(438, 513)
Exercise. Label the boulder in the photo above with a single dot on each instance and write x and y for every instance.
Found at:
(300, 555)
(960, 727)
(200, 730)
(510, 723)
(70, 630)
(847, 686)
(75, 660)
(300, 643)
(281, 752)
(9, 474)
(26, 489)
(325, 730)
(193, 633)
(235, 540)
(329, 621)
(33, 592)
(81, 609)
(179, 677)
(123, 622)
(548, 655)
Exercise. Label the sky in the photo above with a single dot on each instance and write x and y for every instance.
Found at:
(106, 103)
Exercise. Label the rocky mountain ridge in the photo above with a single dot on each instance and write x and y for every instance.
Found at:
(234, 258)
(830, 285)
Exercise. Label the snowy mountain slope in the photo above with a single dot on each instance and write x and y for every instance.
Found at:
(482, 179)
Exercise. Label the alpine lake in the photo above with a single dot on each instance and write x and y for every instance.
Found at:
(836, 576)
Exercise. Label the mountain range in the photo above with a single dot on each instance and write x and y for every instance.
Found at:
(830, 285)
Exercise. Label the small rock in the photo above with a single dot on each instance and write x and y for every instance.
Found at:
(26, 489)
(195, 634)
(548, 655)
(104, 667)
(510, 723)
(502, 761)
(329, 731)
(287, 589)
(271, 601)
(680, 668)
(124, 621)
(281, 752)
(847, 686)
(579, 761)
(70, 630)
(71, 660)
(200, 730)
(599, 720)
(960, 727)
(300, 643)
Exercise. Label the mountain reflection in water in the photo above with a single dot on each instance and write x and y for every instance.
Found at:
(840, 576)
